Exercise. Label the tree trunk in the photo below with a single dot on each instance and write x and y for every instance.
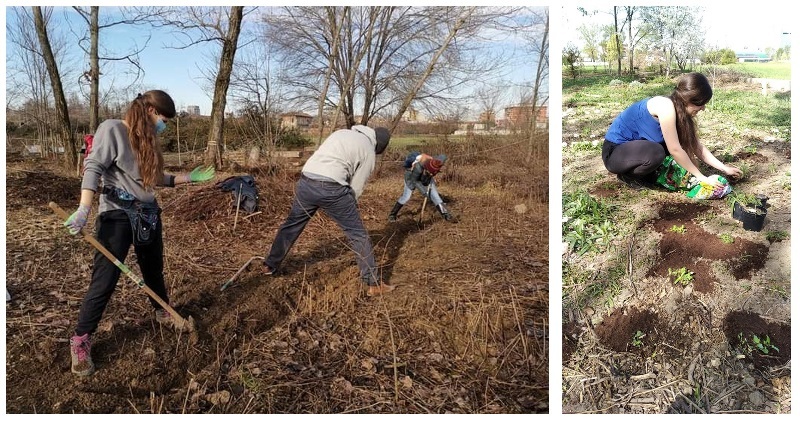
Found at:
(62, 113)
(619, 47)
(229, 45)
(94, 70)
(541, 69)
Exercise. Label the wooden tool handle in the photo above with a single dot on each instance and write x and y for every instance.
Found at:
(93, 241)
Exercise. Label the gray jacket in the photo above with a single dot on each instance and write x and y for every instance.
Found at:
(347, 157)
(112, 160)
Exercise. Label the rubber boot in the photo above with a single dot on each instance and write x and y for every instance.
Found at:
(445, 214)
(393, 213)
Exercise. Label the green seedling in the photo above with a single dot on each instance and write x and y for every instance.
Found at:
(773, 236)
(637, 339)
(726, 238)
(763, 345)
(682, 276)
(679, 229)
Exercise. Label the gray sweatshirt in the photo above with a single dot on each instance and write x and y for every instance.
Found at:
(112, 160)
(347, 157)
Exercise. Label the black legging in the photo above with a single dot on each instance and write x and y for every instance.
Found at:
(637, 157)
(114, 233)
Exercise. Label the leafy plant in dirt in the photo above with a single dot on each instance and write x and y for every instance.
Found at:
(773, 236)
(757, 343)
(682, 275)
(751, 148)
(586, 224)
(637, 339)
(747, 171)
(680, 229)
(726, 238)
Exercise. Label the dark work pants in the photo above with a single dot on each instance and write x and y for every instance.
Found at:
(637, 158)
(114, 233)
(339, 203)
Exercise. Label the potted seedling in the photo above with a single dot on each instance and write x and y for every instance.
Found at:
(749, 209)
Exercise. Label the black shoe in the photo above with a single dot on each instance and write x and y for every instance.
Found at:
(393, 213)
(634, 182)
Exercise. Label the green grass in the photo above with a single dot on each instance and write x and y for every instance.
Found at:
(772, 70)
(596, 103)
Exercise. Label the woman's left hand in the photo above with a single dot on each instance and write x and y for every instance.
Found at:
(732, 171)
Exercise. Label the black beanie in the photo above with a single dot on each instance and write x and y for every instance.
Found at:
(382, 137)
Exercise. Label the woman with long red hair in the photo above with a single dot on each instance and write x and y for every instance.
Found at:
(126, 157)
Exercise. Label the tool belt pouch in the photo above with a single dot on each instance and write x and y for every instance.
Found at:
(143, 216)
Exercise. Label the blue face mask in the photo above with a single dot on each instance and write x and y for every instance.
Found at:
(160, 126)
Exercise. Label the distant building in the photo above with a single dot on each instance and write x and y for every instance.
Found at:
(193, 110)
(752, 57)
(518, 115)
(296, 120)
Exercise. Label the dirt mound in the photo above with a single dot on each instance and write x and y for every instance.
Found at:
(686, 244)
(765, 344)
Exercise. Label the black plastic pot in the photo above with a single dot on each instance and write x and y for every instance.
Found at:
(763, 199)
(737, 211)
(753, 218)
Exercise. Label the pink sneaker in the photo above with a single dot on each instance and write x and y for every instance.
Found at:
(81, 351)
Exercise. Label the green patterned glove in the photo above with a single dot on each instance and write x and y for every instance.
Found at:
(78, 219)
(200, 174)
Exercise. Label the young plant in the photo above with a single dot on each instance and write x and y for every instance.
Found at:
(773, 236)
(746, 200)
(637, 339)
(764, 344)
(726, 238)
(679, 229)
(682, 276)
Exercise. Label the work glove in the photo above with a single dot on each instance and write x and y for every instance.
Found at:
(200, 174)
(78, 219)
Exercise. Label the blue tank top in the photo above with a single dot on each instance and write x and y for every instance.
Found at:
(635, 123)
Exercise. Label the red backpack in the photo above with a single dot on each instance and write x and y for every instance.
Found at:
(87, 148)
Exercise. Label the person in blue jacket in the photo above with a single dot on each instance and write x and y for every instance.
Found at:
(420, 171)
(646, 132)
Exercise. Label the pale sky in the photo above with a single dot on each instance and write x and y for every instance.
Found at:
(730, 25)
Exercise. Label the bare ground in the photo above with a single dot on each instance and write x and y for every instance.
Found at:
(465, 331)
(689, 356)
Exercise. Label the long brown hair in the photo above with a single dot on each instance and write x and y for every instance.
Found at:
(692, 88)
(142, 133)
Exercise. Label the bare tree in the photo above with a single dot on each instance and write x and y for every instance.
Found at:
(256, 93)
(64, 129)
(194, 25)
(385, 57)
(92, 35)
(541, 49)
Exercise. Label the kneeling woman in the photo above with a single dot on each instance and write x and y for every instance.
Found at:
(643, 135)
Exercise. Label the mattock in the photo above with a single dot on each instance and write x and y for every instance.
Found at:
(239, 272)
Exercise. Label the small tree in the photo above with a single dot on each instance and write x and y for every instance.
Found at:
(569, 58)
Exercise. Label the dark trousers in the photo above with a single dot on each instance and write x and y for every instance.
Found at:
(339, 203)
(114, 233)
(637, 158)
